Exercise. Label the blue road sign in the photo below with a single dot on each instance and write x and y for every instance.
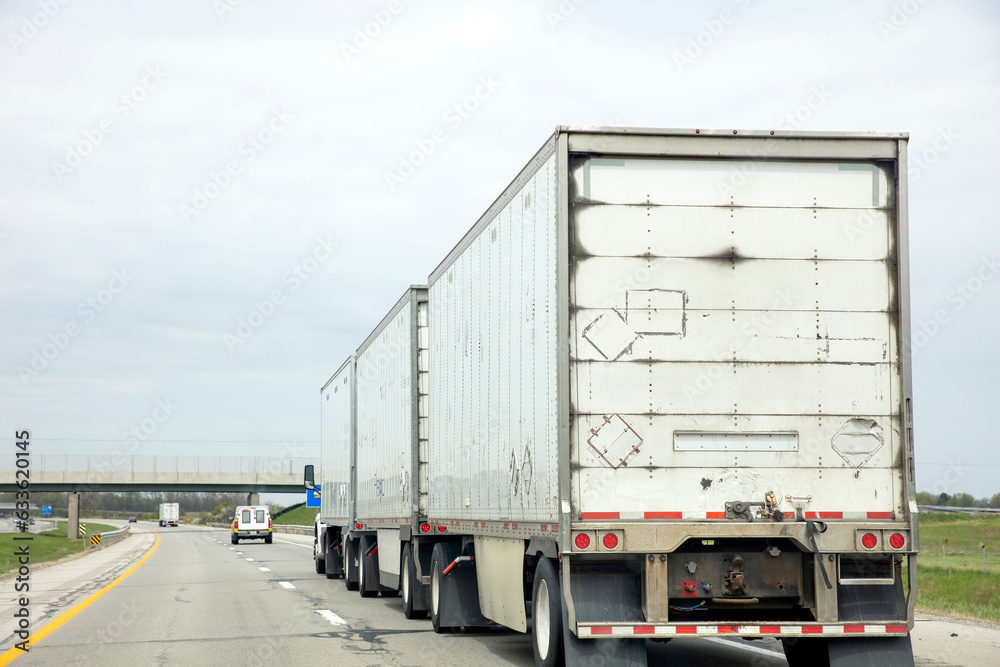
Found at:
(312, 497)
(46, 510)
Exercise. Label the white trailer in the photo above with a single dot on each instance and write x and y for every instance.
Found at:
(336, 515)
(170, 514)
(369, 529)
(670, 396)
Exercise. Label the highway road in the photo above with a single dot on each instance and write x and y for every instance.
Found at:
(199, 600)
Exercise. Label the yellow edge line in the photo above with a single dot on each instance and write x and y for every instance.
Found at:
(13, 653)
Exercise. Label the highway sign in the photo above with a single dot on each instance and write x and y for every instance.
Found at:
(46, 510)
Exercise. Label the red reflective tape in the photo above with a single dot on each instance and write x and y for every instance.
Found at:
(715, 515)
(642, 630)
(853, 629)
(687, 629)
(663, 515)
(545, 527)
(727, 629)
(812, 629)
(600, 631)
(770, 629)
(597, 516)
(810, 515)
(880, 515)
(896, 629)
(831, 515)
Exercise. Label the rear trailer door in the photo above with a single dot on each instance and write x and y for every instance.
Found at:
(733, 334)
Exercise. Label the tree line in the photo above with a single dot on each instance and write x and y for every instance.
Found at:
(957, 500)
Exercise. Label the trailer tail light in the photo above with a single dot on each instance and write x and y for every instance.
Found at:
(582, 541)
(425, 528)
(610, 541)
(897, 541)
(359, 526)
(441, 529)
(869, 541)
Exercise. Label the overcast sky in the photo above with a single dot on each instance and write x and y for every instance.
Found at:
(167, 169)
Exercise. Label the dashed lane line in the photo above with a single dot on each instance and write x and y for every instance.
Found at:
(307, 546)
(330, 616)
(264, 569)
(286, 584)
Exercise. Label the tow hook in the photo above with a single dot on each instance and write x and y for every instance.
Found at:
(736, 580)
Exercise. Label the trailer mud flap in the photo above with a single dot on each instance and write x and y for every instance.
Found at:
(871, 652)
(604, 598)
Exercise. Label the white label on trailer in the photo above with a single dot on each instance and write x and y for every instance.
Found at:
(736, 442)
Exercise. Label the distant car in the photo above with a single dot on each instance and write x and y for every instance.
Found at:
(132, 519)
(252, 522)
(31, 521)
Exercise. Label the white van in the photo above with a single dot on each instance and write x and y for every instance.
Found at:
(252, 522)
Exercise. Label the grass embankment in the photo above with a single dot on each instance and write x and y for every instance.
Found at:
(299, 516)
(952, 581)
(45, 546)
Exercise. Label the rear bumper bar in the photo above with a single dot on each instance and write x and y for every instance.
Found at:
(621, 630)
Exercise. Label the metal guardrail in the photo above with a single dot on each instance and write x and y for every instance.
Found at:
(946, 508)
(293, 530)
(112, 536)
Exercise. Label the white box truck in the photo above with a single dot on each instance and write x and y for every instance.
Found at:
(669, 395)
(170, 514)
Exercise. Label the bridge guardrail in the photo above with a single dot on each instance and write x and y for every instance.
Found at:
(278, 528)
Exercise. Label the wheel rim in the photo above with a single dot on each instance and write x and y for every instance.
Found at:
(435, 584)
(541, 617)
(406, 580)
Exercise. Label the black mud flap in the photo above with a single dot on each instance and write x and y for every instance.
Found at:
(607, 598)
(459, 603)
(871, 652)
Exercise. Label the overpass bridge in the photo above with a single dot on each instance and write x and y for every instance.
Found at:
(95, 472)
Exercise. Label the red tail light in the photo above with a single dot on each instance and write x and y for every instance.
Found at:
(359, 526)
(610, 540)
(441, 529)
(582, 541)
(897, 541)
(869, 540)
(425, 528)
(270, 525)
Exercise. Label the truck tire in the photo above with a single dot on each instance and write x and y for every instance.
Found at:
(351, 563)
(367, 569)
(546, 625)
(409, 585)
(267, 540)
(442, 554)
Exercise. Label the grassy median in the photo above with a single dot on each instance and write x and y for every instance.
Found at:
(300, 516)
(958, 570)
(45, 546)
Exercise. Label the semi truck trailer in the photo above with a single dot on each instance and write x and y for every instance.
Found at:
(170, 514)
(669, 395)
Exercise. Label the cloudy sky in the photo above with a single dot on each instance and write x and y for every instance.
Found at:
(205, 206)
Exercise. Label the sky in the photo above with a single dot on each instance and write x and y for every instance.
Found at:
(206, 206)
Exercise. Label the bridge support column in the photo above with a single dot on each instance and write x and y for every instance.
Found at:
(73, 525)
(253, 498)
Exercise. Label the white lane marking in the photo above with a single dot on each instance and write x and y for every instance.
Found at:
(239, 553)
(777, 655)
(285, 584)
(249, 560)
(232, 548)
(307, 546)
(264, 569)
(330, 616)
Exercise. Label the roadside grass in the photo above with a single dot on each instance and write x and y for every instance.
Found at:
(950, 568)
(300, 516)
(45, 546)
